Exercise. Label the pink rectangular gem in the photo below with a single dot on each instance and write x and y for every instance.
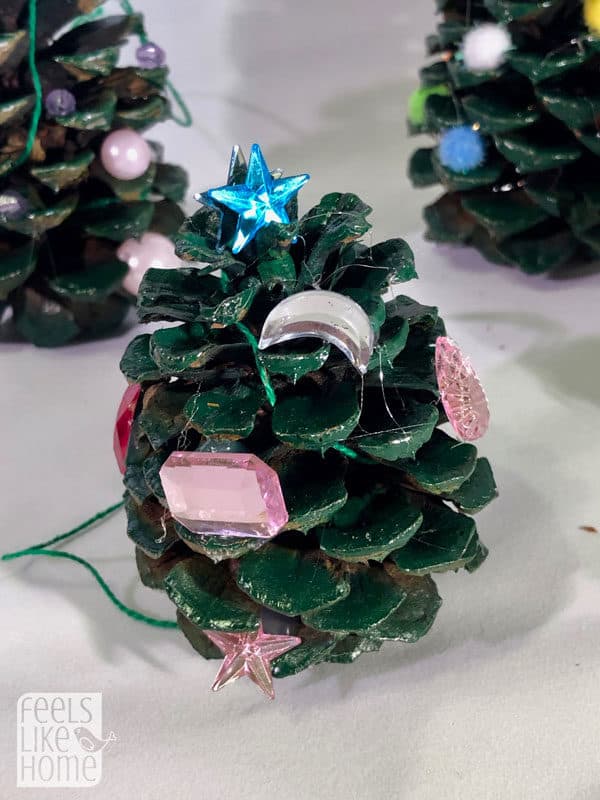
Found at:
(224, 494)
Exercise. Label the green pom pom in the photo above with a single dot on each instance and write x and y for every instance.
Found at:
(417, 100)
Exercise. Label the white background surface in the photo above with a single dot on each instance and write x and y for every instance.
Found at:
(500, 700)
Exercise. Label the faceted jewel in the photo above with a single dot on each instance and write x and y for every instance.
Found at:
(124, 422)
(259, 201)
(224, 494)
(461, 391)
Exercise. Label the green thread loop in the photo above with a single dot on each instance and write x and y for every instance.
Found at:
(83, 19)
(129, 9)
(262, 371)
(224, 279)
(41, 549)
(185, 120)
(101, 202)
(347, 451)
(83, 526)
(37, 86)
(131, 612)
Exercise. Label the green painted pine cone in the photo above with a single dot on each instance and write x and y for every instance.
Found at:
(534, 203)
(353, 566)
(59, 273)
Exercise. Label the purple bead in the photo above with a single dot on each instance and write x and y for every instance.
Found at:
(60, 102)
(150, 55)
(12, 205)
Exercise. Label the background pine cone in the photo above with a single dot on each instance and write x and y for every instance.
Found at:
(534, 202)
(58, 269)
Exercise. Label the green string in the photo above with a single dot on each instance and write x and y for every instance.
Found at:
(186, 119)
(83, 19)
(41, 549)
(37, 86)
(101, 202)
(224, 279)
(129, 9)
(266, 382)
(87, 524)
(347, 451)
(264, 375)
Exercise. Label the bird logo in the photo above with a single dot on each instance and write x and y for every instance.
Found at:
(90, 743)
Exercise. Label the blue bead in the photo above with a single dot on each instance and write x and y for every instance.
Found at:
(59, 103)
(462, 149)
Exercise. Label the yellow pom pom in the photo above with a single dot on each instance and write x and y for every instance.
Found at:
(591, 14)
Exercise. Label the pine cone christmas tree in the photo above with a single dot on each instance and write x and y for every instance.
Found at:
(62, 215)
(523, 76)
(362, 495)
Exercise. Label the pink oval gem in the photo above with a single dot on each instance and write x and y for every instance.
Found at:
(461, 392)
(124, 423)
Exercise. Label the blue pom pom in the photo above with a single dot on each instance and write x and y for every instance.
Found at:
(462, 149)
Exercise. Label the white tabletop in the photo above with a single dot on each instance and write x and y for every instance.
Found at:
(500, 700)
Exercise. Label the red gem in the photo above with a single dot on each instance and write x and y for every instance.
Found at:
(124, 422)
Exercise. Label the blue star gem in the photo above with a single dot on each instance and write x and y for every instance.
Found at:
(259, 201)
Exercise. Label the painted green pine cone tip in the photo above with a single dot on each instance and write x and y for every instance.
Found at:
(60, 278)
(531, 203)
(379, 498)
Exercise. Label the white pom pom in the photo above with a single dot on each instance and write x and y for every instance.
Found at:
(485, 47)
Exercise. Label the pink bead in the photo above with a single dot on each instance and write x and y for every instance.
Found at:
(151, 250)
(124, 423)
(227, 494)
(461, 391)
(125, 154)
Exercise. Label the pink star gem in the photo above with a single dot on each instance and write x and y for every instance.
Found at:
(461, 391)
(250, 653)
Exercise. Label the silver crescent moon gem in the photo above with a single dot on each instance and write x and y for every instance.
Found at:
(330, 316)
